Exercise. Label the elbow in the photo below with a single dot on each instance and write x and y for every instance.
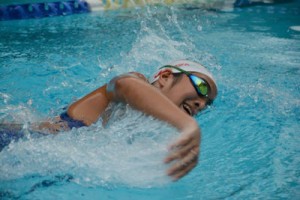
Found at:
(119, 86)
(71, 111)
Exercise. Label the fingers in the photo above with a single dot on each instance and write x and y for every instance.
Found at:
(185, 164)
(185, 151)
(184, 140)
(180, 152)
(183, 172)
(182, 148)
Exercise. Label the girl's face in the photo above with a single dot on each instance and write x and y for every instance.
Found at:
(184, 95)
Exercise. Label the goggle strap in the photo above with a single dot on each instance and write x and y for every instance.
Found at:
(177, 68)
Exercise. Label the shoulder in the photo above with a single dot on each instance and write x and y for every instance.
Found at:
(138, 75)
(131, 75)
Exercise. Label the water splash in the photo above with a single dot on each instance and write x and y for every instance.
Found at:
(129, 151)
(161, 38)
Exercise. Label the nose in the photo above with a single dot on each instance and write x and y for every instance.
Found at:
(197, 105)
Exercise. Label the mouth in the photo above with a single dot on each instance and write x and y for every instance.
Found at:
(187, 109)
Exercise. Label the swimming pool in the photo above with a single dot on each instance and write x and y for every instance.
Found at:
(250, 145)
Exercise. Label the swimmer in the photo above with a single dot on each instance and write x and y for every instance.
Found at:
(175, 93)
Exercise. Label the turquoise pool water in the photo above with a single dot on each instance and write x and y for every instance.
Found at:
(250, 146)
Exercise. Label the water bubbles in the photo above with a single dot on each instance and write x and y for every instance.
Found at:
(29, 102)
(5, 97)
(199, 28)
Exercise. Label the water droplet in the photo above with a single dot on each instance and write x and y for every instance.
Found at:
(199, 28)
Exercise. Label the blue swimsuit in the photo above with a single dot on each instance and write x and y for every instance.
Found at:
(72, 123)
(11, 133)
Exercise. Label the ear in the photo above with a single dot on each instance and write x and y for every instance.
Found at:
(165, 78)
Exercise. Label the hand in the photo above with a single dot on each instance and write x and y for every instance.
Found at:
(185, 153)
(53, 126)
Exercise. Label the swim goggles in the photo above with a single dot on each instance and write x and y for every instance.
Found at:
(199, 84)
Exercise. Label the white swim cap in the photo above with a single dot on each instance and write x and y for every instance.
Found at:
(185, 65)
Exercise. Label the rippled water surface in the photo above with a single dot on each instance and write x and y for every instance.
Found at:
(250, 136)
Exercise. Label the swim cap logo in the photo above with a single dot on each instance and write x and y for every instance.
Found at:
(182, 64)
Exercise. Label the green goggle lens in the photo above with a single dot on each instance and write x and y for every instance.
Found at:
(199, 84)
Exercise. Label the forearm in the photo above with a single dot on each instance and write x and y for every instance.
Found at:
(150, 100)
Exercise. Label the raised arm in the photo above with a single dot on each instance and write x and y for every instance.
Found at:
(90, 107)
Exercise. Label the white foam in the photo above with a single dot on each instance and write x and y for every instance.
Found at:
(295, 28)
(129, 151)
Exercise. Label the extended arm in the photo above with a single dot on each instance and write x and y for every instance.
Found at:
(150, 100)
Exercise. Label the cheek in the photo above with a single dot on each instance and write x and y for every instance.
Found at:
(175, 98)
(188, 91)
(175, 94)
(182, 94)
